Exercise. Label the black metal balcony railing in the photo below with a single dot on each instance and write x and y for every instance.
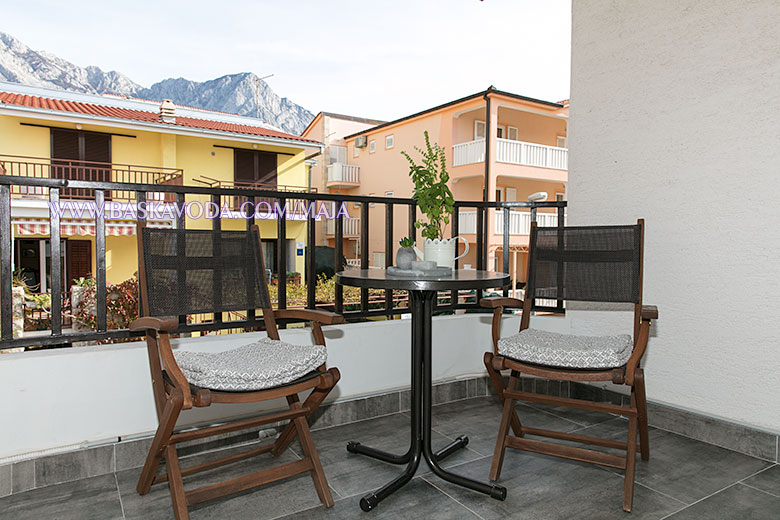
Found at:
(53, 188)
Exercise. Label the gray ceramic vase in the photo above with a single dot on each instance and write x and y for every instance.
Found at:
(404, 258)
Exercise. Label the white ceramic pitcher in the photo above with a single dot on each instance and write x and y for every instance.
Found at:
(442, 251)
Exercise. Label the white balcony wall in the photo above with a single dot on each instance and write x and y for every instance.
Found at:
(340, 172)
(95, 394)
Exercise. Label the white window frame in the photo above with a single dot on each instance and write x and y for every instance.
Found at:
(391, 139)
(502, 129)
(560, 196)
(372, 146)
(500, 194)
(509, 130)
(477, 123)
(355, 151)
(558, 141)
(510, 194)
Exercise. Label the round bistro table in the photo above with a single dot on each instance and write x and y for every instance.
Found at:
(422, 293)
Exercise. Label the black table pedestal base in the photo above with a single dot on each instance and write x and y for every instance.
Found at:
(420, 445)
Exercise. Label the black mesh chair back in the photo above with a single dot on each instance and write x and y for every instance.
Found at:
(201, 271)
(595, 263)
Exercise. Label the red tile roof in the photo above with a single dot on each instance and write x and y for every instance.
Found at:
(140, 115)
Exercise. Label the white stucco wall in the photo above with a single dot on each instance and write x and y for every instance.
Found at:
(674, 118)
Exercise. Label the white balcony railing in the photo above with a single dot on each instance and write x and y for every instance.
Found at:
(532, 154)
(344, 173)
(351, 227)
(519, 222)
(468, 153)
(512, 152)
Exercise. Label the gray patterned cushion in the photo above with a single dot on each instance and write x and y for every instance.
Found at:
(264, 364)
(566, 350)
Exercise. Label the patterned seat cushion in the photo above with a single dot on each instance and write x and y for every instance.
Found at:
(264, 364)
(566, 350)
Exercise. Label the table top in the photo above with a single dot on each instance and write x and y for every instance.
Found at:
(459, 279)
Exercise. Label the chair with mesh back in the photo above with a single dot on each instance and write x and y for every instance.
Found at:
(185, 272)
(590, 264)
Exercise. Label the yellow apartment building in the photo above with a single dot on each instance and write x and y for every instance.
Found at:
(525, 154)
(52, 133)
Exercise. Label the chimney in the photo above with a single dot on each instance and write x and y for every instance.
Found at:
(167, 111)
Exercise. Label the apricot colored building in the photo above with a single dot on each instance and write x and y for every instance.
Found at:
(527, 154)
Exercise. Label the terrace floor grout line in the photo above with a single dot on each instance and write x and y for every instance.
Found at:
(714, 493)
(711, 443)
(453, 498)
(119, 494)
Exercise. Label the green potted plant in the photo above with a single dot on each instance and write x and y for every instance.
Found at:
(405, 254)
(436, 202)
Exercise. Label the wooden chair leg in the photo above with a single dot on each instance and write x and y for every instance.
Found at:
(628, 484)
(498, 384)
(641, 404)
(309, 451)
(503, 431)
(175, 483)
(160, 442)
(315, 399)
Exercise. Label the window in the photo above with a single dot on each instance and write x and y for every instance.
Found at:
(479, 130)
(501, 131)
(511, 133)
(389, 142)
(560, 197)
(371, 146)
(560, 141)
(337, 154)
(254, 167)
(511, 194)
(355, 151)
(72, 147)
(499, 194)
(379, 260)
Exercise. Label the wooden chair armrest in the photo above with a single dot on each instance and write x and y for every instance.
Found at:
(324, 317)
(649, 312)
(159, 324)
(499, 301)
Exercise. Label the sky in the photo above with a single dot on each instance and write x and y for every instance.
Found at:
(366, 58)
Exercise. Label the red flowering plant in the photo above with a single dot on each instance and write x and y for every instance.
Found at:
(121, 304)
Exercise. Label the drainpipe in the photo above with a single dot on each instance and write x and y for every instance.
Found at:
(485, 196)
(487, 142)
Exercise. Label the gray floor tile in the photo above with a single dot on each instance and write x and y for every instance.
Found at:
(269, 501)
(768, 481)
(736, 502)
(351, 474)
(87, 499)
(479, 419)
(581, 417)
(542, 488)
(417, 500)
(681, 467)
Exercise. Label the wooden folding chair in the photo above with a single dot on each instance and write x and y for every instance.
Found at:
(592, 264)
(185, 272)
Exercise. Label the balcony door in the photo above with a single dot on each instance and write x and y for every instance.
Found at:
(80, 155)
(254, 167)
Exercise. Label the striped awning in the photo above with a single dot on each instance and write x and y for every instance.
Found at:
(68, 227)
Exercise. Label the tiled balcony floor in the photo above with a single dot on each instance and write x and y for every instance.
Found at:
(683, 479)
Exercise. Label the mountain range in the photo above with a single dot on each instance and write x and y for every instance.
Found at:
(242, 93)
